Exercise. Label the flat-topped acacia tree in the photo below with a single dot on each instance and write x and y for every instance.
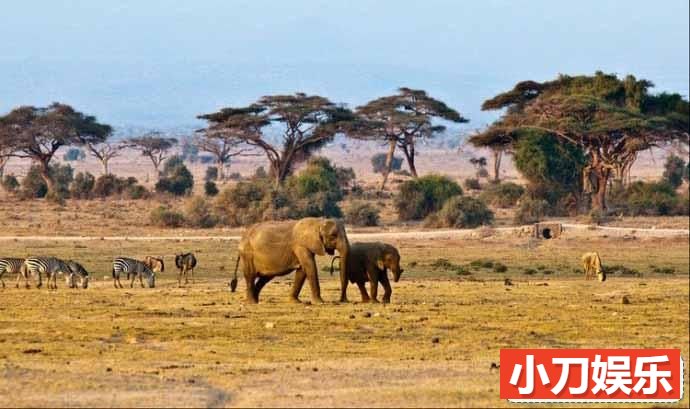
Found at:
(37, 133)
(303, 124)
(400, 120)
(154, 146)
(611, 119)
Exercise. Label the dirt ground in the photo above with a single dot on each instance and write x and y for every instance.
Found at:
(433, 346)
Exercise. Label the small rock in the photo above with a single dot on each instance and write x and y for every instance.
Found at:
(494, 365)
(269, 325)
(315, 369)
(399, 329)
(108, 369)
(366, 314)
(625, 300)
(352, 316)
(507, 281)
(377, 314)
(435, 340)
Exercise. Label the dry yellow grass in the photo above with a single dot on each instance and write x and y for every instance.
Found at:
(202, 346)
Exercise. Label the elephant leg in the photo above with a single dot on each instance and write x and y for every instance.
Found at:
(186, 272)
(374, 288)
(343, 286)
(141, 280)
(363, 291)
(179, 278)
(192, 272)
(300, 277)
(251, 289)
(306, 261)
(260, 283)
(387, 290)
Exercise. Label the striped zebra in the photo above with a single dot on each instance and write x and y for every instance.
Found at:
(11, 266)
(77, 271)
(185, 262)
(133, 268)
(50, 266)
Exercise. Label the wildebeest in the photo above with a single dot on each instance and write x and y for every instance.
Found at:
(185, 262)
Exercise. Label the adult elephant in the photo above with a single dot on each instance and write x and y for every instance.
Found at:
(272, 249)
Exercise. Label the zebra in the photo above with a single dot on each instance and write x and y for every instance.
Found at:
(50, 266)
(133, 268)
(156, 264)
(11, 265)
(77, 270)
(185, 262)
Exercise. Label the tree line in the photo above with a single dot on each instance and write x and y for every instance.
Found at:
(600, 120)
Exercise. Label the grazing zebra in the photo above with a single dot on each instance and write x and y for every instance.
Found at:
(11, 265)
(77, 270)
(185, 262)
(156, 264)
(50, 266)
(133, 268)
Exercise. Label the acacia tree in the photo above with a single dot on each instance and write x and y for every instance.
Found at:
(37, 133)
(610, 119)
(104, 152)
(154, 146)
(399, 120)
(499, 142)
(303, 123)
(223, 146)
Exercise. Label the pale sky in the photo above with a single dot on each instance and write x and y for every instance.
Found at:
(158, 63)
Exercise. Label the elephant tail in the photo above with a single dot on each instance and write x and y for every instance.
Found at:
(233, 282)
(333, 261)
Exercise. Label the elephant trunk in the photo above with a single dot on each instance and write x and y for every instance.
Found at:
(333, 261)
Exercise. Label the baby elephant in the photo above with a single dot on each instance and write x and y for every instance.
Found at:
(370, 262)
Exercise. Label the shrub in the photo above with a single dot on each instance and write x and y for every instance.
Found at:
(260, 173)
(345, 176)
(420, 197)
(500, 267)
(472, 184)
(210, 188)
(33, 185)
(110, 185)
(363, 214)
(482, 173)
(73, 154)
(674, 171)
(10, 184)
(82, 185)
(462, 212)
(164, 217)
(503, 195)
(235, 176)
(378, 163)
(211, 174)
(552, 168)
(242, 204)
(175, 178)
(317, 189)
(197, 213)
(651, 199)
(531, 210)
(136, 192)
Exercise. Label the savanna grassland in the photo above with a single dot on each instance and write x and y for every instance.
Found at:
(434, 345)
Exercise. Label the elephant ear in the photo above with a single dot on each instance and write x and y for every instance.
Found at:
(309, 234)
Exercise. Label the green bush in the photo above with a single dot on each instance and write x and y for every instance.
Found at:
(531, 210)
(197, 213)
(363, 214)
(462, 212)
(110, 185)
(136, 192)
(33, 185)
(175, 178)
(10, 184)
(674, 171)
(417, 198)
(210, 188)
(82, 186)
(378, 163)
(164, 217)
(503, 195)
(211, 174)
(243, 203)
(472, 184)
(552, 169)
(651, 199)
